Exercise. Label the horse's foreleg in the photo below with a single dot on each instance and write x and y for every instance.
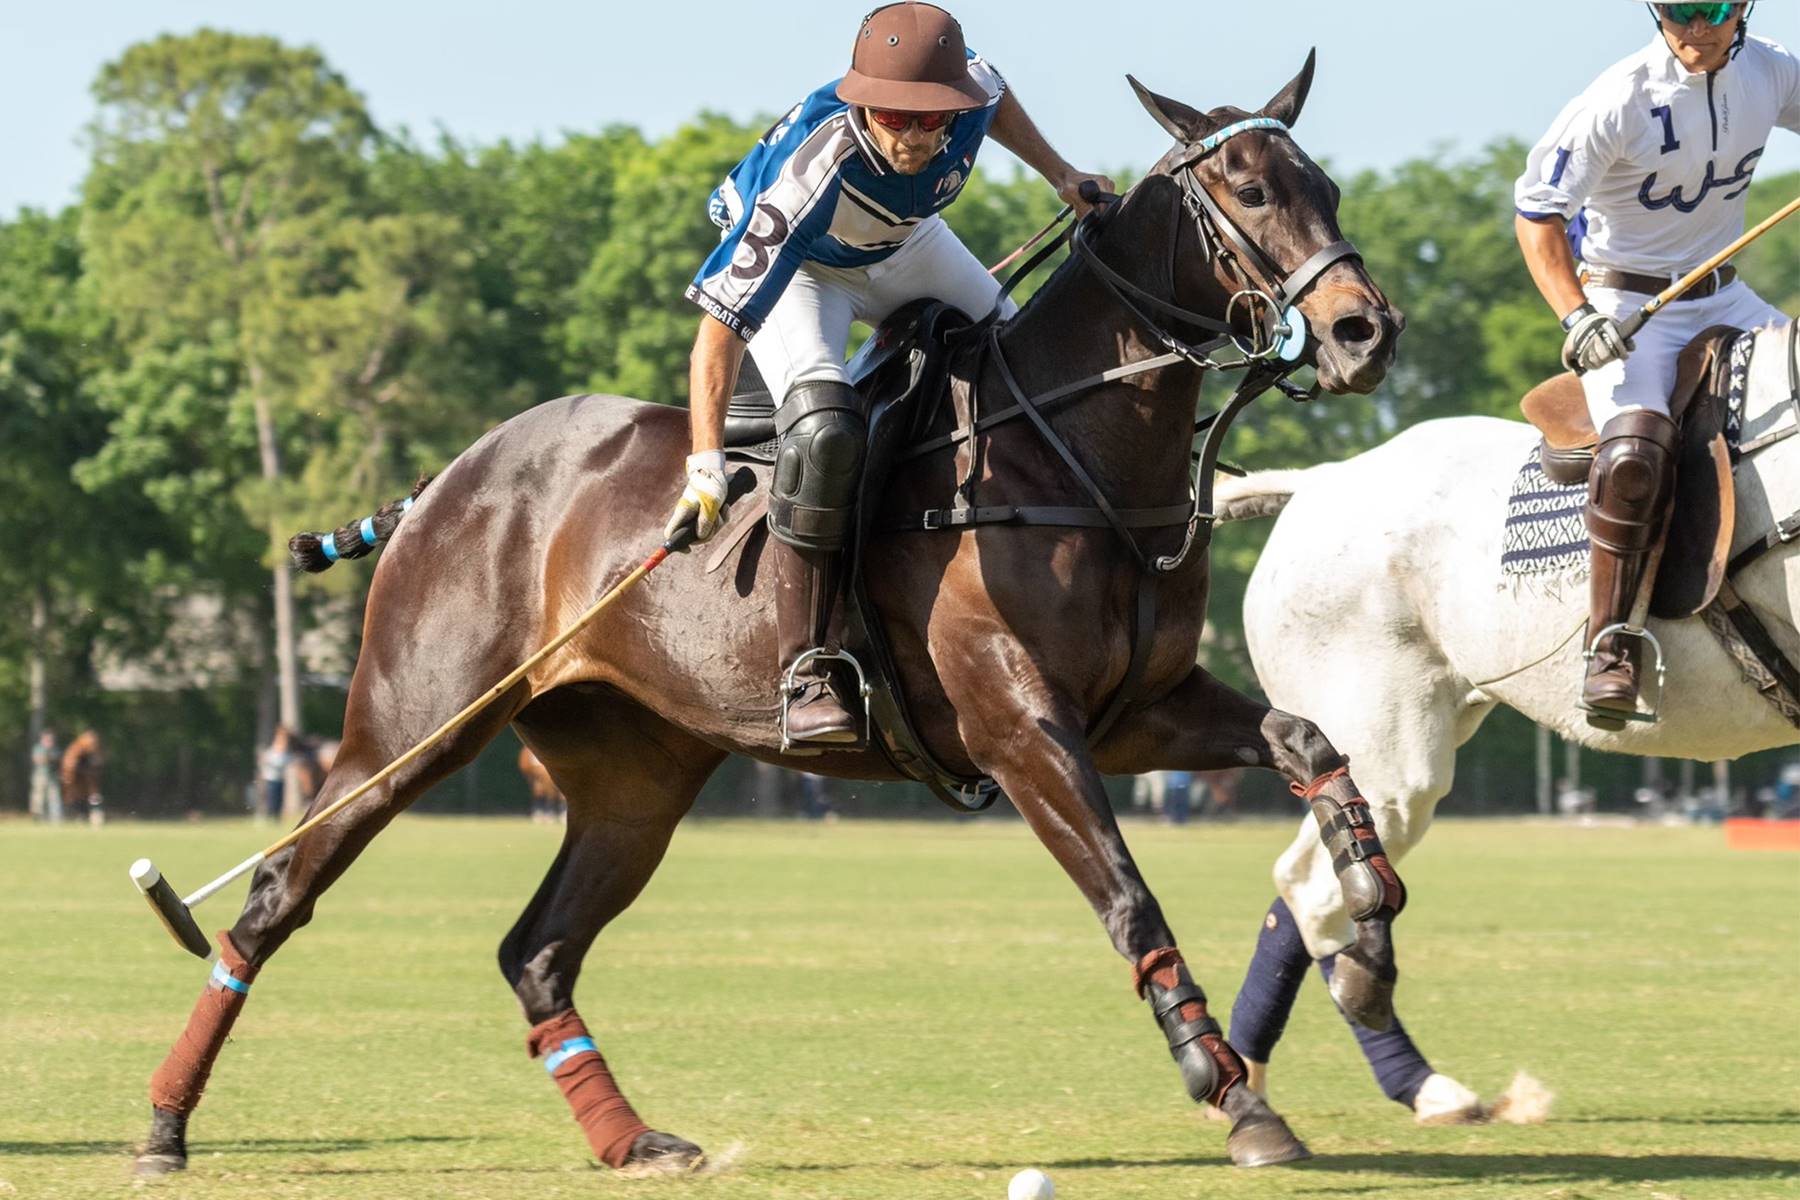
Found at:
(1054, 784)
(1203, 725)
(283, 891)
(628, 783)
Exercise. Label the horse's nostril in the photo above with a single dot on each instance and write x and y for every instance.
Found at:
(1354, 330)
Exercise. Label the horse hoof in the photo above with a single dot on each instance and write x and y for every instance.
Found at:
(1365, 996)
(155, 1166)
(1441, 1100)
(1259, 1137)
(662, 1154)
(165, 1150)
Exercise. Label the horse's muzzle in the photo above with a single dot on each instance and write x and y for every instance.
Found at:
(1358, 347)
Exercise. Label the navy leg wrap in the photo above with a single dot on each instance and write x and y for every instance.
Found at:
(1398, 1066)
(1277, 969)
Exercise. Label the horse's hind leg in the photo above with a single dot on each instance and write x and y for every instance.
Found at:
(1204, 725)
(629, 778)
(284, 889)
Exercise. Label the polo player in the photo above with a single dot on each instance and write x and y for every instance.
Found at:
(835, 215)
(1639, 180)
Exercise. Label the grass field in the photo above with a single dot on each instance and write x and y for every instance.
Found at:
(906, 1011)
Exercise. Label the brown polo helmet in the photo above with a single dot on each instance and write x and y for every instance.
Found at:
(910, 57)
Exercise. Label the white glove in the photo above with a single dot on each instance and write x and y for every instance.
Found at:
(1594, 340)
(702, 503)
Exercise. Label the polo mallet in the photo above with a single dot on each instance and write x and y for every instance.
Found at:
(176, 912)
(1630, 325)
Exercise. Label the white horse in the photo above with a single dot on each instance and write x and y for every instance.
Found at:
(1378, 609)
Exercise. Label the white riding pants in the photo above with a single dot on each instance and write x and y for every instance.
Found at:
(808, 329)
(1645, 379)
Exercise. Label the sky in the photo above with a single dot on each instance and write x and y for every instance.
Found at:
(1395, 80)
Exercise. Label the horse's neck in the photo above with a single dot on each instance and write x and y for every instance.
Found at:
(1133, 436)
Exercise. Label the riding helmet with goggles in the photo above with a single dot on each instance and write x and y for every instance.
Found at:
(1711, 13)
(910, 58)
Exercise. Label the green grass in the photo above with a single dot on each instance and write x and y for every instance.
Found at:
(906, 1010)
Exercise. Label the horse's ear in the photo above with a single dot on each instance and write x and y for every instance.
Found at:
(1183, 123)
(1288, 102)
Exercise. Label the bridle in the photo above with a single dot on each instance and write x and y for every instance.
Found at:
(1278, 330)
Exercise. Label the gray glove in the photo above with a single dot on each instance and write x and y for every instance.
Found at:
(1594, 339)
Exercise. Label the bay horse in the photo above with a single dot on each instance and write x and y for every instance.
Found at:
(1416, 609)
(79, 772)
(1009, 640)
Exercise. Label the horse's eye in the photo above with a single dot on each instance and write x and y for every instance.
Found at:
(1251, 197)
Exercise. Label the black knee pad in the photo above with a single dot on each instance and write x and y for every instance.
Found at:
(823, 439)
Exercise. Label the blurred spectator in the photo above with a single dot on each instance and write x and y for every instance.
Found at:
(816, 792)
(1787, 793)
(271, 768)
(46, 788)
(1178, 796)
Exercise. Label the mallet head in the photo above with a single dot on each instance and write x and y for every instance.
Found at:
(169, 909)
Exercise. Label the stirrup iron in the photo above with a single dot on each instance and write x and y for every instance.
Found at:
(790, 684)
(1649, 709)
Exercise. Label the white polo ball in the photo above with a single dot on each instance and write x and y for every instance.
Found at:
(1031, 1184)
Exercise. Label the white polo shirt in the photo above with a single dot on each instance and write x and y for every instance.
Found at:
(1650, 164)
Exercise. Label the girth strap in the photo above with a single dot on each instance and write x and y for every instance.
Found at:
(1782, 672)
(1041, 514)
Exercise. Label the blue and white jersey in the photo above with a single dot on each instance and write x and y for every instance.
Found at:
(816, 189)
(1650, 164)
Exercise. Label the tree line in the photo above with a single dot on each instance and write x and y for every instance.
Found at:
(265, 314)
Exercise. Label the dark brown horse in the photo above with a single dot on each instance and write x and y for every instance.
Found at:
(1009, 641)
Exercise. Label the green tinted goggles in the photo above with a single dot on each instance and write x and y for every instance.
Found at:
(1712, 14)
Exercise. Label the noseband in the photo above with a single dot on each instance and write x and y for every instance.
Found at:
(1278, 328)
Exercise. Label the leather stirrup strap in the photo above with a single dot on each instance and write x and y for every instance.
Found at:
(1143, 637)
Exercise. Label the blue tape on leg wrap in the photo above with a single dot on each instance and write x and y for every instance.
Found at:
(568, 1050)
(367, 529)
(328, 547)
(226, 979)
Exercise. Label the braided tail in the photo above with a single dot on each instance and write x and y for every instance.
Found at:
(314, 552)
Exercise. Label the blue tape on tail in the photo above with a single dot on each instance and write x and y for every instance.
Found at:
(406, 506)
(328, 546)
(225, 978)
(367, 528)
(568, 1050)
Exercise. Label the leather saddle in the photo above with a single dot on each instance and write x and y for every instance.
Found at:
(906, 360)
(1697, 541)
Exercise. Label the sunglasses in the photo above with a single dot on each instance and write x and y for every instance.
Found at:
(1712, 14)
(887, 118)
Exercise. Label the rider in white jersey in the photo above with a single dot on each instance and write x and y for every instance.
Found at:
(1641, 179)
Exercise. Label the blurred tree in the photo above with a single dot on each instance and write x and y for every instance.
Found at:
(629, 329)
(221, 163)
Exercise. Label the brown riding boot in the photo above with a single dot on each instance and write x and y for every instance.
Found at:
(805, 594)
(1629, 489)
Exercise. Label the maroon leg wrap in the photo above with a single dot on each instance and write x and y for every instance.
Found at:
(178, 1083)
(600, 1109)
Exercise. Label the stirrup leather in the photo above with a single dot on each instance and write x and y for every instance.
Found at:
(1649, 709)
(790, 684)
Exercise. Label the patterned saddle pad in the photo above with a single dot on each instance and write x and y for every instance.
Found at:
(1544, 531)
(1545, 534)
